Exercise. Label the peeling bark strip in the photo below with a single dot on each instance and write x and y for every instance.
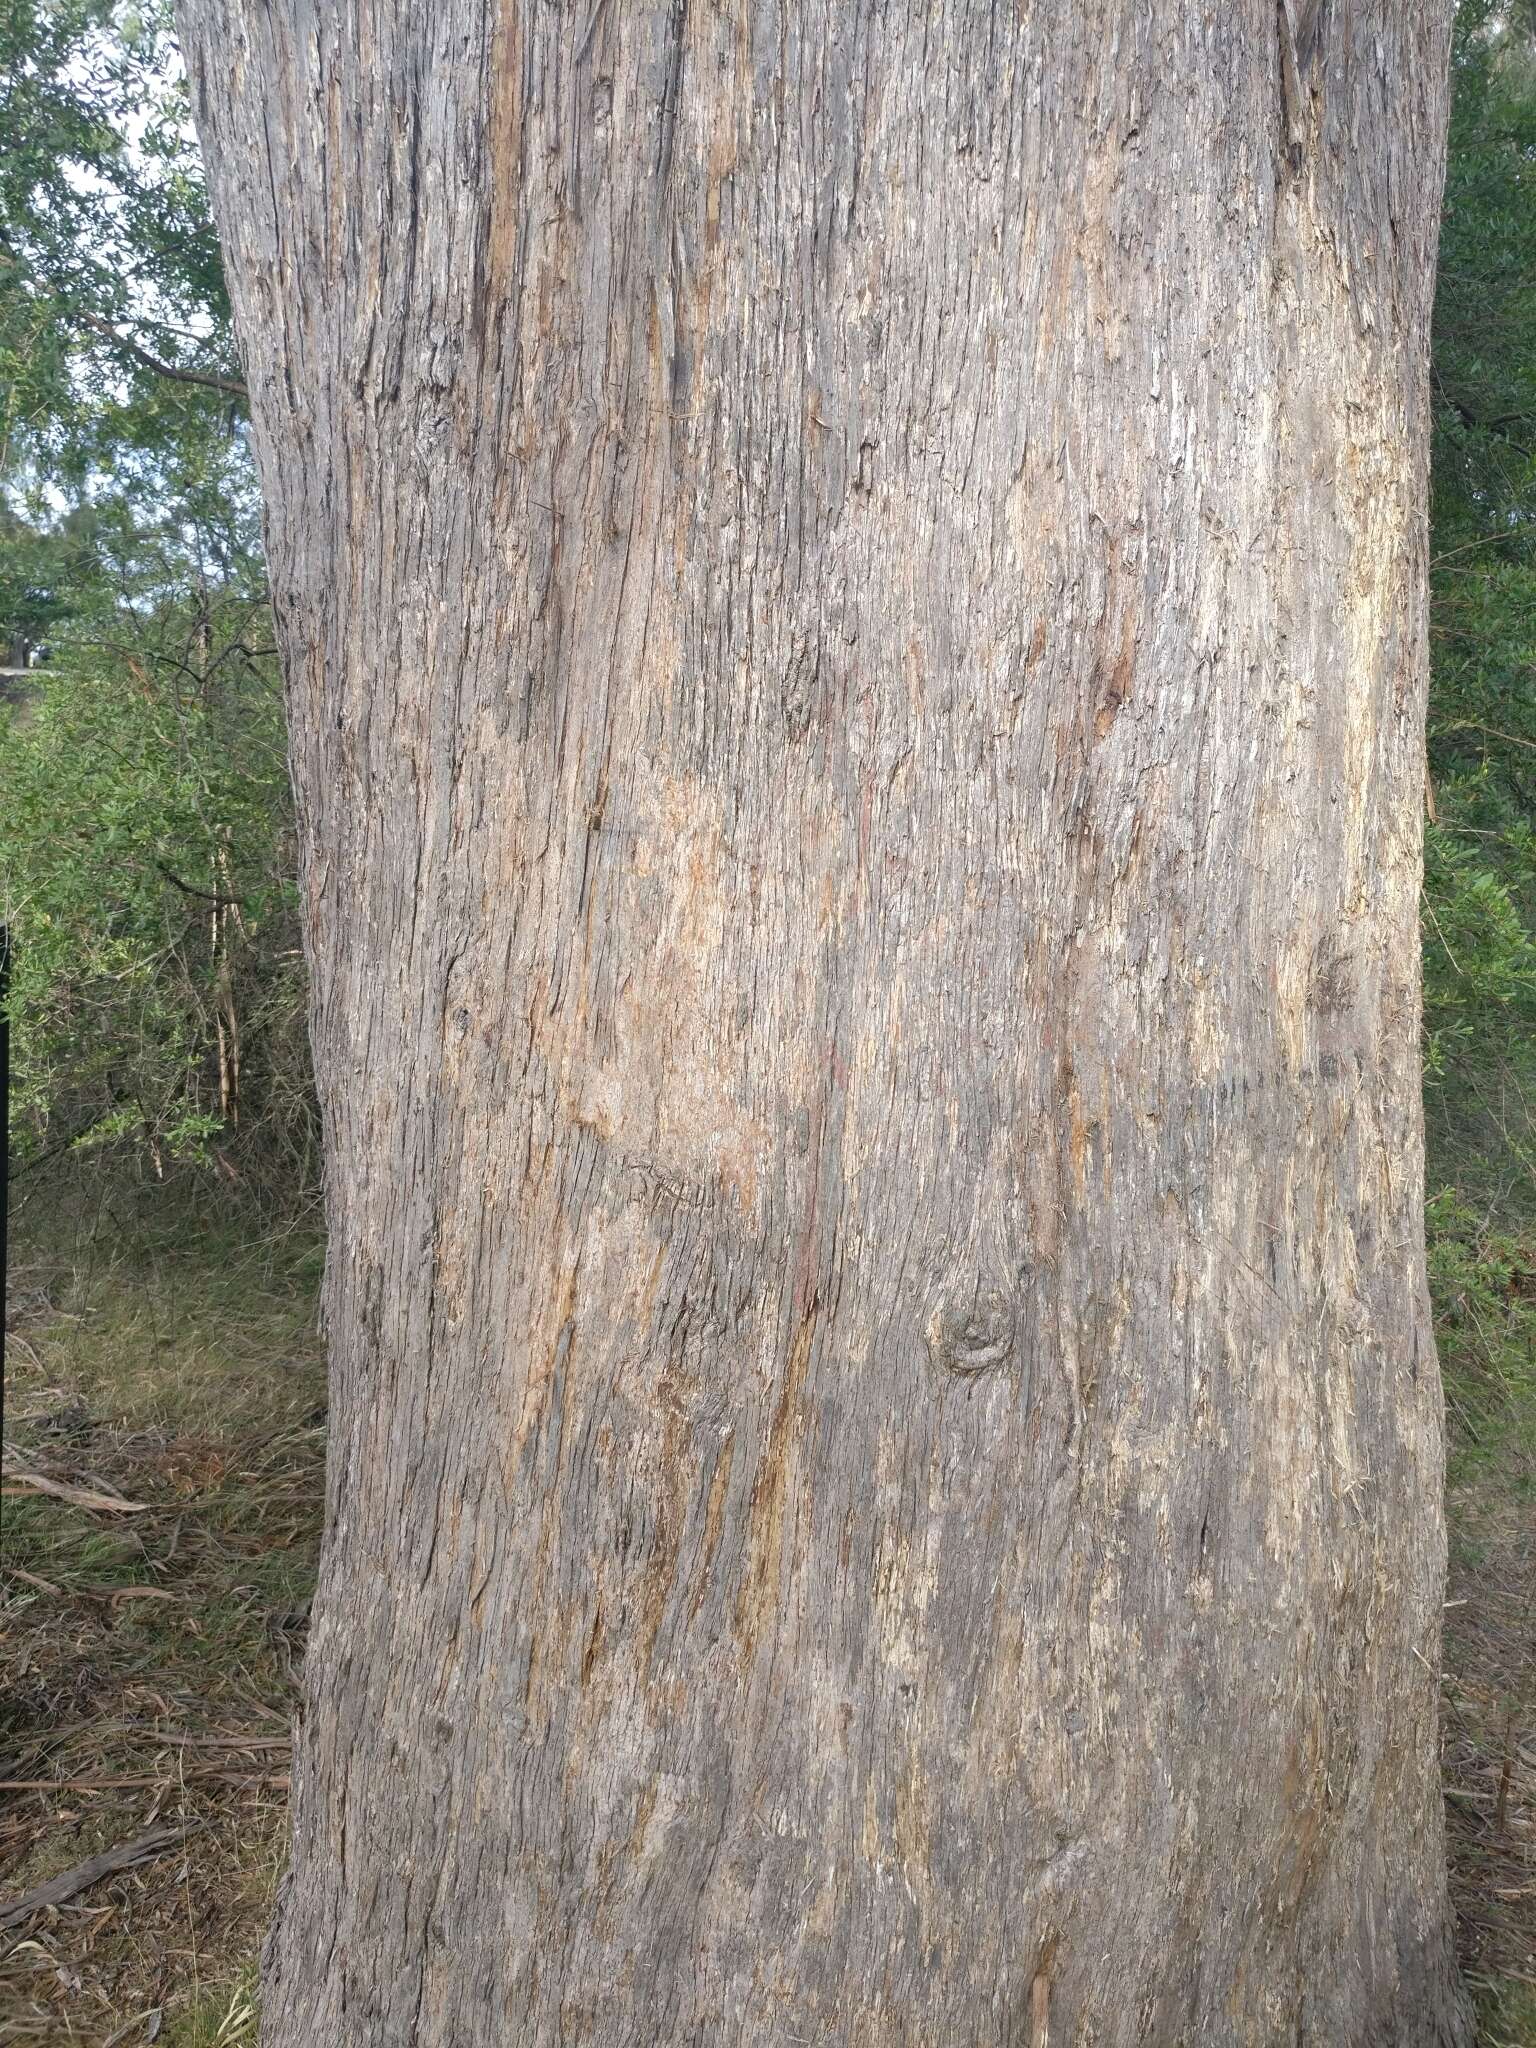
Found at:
(852, 584)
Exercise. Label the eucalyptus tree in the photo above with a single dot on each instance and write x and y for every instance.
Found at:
(852, 584)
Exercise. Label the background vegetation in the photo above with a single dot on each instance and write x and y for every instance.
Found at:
(164, 1130)
(146, 853)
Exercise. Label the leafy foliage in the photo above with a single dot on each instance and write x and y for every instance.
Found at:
(108, 258)
(1480, 974)
(1480, 856)
(145, 847)
(1483, 1283)
(158, 978)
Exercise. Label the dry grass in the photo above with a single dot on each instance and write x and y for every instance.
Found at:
(1490, 1750)
(1484, 1283)
(151, 1656)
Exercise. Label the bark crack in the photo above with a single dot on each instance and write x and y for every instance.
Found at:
(1300, 24)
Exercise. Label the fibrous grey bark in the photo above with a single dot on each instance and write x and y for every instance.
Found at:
(852, 584)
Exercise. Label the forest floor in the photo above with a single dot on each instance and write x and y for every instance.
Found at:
(153, 1604)
(150, 1646)
(1485, 1298)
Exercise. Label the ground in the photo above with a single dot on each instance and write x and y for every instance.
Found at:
(1483, 1278)
(151, 1654)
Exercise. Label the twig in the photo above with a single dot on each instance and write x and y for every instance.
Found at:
(19, 1480)
(142, 1849)
(204, 377)
(1501, 1805)
(214, 1773)
(236, 1739)
(206, 895)
(120, 2034)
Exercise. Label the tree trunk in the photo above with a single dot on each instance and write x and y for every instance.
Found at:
(852, 579)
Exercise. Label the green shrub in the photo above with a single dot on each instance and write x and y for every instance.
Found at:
(146, 872)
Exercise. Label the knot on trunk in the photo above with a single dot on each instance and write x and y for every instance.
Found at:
(973, 1328)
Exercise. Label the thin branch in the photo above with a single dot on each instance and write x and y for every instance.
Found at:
(1510, 739)
(1483, 540)
(122, 1856)
(142, 355)
(205, 895)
